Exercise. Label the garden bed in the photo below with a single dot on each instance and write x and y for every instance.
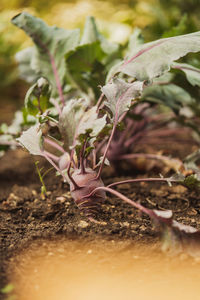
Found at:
(27, 217)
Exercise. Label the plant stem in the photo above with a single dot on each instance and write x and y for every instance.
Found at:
(52, 156)
(144, 180)
(143, 209)
(107, 146)
(57, 79)
(82, 166)
(99, 101)
(40, 177)
(54, 144)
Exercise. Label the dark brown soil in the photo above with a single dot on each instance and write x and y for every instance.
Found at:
(26, 216)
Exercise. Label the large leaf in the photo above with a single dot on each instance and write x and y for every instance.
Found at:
(31, 139)
(37, 97)
(70, 118)
(192, 73)
(52, 43)
(23, 58)
(155, 58)
(119, 95)
(170, 95)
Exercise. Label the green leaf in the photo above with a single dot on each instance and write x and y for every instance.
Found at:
(31, 139)
(192, 73)
(170, 95)
(37, 97)
(90, 33)
(24, 58)
(7, 289)
(52, 44)
(83, 58)
(119, 95)
(155, 58)
(135, 41)
(192, 182)
(70, 118)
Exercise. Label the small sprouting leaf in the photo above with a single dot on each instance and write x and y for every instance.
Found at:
(71, 114)
(119, 95)
(24, 58)
(155, 58)
(52, 44)
(7, 289)
(37, 97)
(31, 139)
(192, 181)
(192, 73)
(170, 95)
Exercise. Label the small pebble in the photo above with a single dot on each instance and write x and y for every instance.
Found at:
(83, 224)
(34, 193)
(191, 212)
(125, 224)
(61, 199)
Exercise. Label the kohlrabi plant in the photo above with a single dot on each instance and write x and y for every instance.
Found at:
(82, 92)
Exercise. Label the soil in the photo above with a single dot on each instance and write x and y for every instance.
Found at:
(26, 216)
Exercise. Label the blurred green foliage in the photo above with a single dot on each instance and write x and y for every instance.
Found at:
(115, 19)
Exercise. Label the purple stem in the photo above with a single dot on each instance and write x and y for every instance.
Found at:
(99, 101)
(144, 180)
(127, 200)
(52, 156)
(185, 68)
(54, 144)
(134, 138)
(58, 84)
(141, 52)
(107, 146)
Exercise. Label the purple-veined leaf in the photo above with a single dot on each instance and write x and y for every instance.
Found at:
(31, 139)
(119, 95)
(192, 73)
(155, 58)
(52, 43)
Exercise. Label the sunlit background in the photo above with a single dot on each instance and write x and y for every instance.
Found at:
(115, 18)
